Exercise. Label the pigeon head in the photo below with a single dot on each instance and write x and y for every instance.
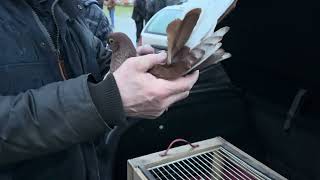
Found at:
(122, 48)
(118, 40)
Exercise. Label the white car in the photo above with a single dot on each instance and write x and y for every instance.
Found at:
(154, 33)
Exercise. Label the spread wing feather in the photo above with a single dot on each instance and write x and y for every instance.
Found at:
(178, 32)
(181, 60)
(172, 32)
(211, 46)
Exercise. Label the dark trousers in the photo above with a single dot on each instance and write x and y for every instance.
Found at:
(139, 27)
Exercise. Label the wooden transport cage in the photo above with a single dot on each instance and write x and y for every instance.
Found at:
(210, 159)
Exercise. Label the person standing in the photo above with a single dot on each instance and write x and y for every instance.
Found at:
(159, 4)
(153, 6)
(149, 9)
(100, 3)
(56, 101)
(138, 15)
(111, 8)
(96, 20)
(174, 2)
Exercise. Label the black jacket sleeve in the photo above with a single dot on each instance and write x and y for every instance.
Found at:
(49, 119)
(106, 97)
(103, 57)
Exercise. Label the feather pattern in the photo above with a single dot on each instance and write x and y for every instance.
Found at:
(181, 59)
(210, 45)
(172, 31)
(180, 31)
(188, 49)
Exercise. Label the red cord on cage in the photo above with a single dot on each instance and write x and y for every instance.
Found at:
(175, 141)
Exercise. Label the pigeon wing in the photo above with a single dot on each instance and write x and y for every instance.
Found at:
(178, 32)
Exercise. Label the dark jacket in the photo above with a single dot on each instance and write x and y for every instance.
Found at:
(139, 10)
(174, 2)
(153, 6)
(98, 2)
(48, 125)
(101, 2)
(159, 4)
(96, 19)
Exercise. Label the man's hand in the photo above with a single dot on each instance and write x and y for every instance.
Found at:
(144, 95)
(145, 49)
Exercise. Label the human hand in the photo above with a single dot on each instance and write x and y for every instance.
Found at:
(145, 96)
(141, 50)
(144, 50)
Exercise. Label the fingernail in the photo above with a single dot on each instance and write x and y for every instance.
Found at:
(197, 73)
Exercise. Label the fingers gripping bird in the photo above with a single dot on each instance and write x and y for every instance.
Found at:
(181, 58)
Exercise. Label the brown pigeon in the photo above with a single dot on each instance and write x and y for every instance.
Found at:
(181, 58)
(122, 49)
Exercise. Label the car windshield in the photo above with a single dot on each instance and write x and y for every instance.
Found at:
(159, 24)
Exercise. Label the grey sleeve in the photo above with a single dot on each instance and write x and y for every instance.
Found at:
(47, 120)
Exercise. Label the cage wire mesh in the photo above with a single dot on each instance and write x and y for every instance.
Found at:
(217, 164)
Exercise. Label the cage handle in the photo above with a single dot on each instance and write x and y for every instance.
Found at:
(176, 141)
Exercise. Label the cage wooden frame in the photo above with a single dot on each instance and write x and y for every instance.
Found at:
(139, 168)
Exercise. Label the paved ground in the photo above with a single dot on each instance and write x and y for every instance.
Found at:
(123, 22)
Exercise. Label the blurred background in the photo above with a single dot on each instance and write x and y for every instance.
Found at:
(123, 21)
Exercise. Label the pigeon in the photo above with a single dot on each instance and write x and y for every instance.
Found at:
(122, 48)
(182, 57)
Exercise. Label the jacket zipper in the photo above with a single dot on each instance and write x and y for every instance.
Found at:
(60, 59)
(55, 49)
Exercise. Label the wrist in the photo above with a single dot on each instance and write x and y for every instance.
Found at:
(107, 99)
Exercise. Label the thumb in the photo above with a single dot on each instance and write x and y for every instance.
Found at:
(146, 62)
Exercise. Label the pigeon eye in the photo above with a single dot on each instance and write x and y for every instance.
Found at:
(111, 41)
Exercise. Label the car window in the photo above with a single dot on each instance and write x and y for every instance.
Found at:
(159, 24)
